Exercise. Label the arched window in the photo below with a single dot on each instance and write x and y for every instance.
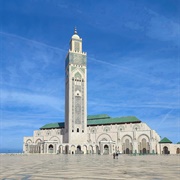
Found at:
(127, 146)
(76, 46)
(77, 129)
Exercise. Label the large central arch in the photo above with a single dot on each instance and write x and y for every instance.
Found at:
(143, 144)
(103, 137)
(127, 144)
(105, 144)
(55, 138)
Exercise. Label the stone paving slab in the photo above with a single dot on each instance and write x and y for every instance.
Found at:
(88, 167)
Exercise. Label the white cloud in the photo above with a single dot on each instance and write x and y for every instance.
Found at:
(134, 25)
(31, 99)
(163, 29)
(31, 41)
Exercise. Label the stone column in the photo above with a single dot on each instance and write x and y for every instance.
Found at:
(101, 148)
(151, 142)
(55, 150)
(46, 148)
(135, 147)
(110, 148)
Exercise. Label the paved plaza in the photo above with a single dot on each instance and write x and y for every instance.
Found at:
(36, 166)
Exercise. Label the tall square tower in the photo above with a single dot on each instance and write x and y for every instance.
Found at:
(75, 93)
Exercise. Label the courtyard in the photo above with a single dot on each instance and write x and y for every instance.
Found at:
(36, 166)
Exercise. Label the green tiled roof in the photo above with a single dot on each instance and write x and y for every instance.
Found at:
(99, 116)
(165, 140)
(53, 125)
(118, 120)
(98, 120)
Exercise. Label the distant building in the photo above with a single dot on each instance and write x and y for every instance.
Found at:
(100, 134)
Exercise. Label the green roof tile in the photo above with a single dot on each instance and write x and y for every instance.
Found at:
(53, 125)
(96, 120)
(165, 140)
(118, 120)
(99, 116)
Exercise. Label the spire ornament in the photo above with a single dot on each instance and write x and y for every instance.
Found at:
(75, 30)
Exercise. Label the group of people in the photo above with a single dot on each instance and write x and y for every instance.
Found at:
(115, 155)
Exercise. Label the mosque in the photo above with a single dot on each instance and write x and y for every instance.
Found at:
(97, 134)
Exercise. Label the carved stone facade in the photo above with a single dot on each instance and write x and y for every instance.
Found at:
(76, 92)
(102, 135)
(102, 139)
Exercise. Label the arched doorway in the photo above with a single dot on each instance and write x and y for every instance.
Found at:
(178, 151)
(78, 151)
(127, 147)
(91, 149)
(97, 150)
(144, 147)
(144, 151)
(165, 150)
(127, 151)
(50, 148)
(66, 149)
(106, 149)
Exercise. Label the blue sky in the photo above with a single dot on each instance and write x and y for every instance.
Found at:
(133, 62)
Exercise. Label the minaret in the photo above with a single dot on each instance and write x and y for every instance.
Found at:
(75, 93)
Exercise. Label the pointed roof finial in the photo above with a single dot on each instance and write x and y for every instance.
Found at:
(75, 30)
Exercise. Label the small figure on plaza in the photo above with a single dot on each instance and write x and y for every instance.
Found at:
(114, 155)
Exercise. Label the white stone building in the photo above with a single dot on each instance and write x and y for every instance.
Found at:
(100, 134)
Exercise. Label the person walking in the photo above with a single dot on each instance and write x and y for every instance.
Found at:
(114, 155)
